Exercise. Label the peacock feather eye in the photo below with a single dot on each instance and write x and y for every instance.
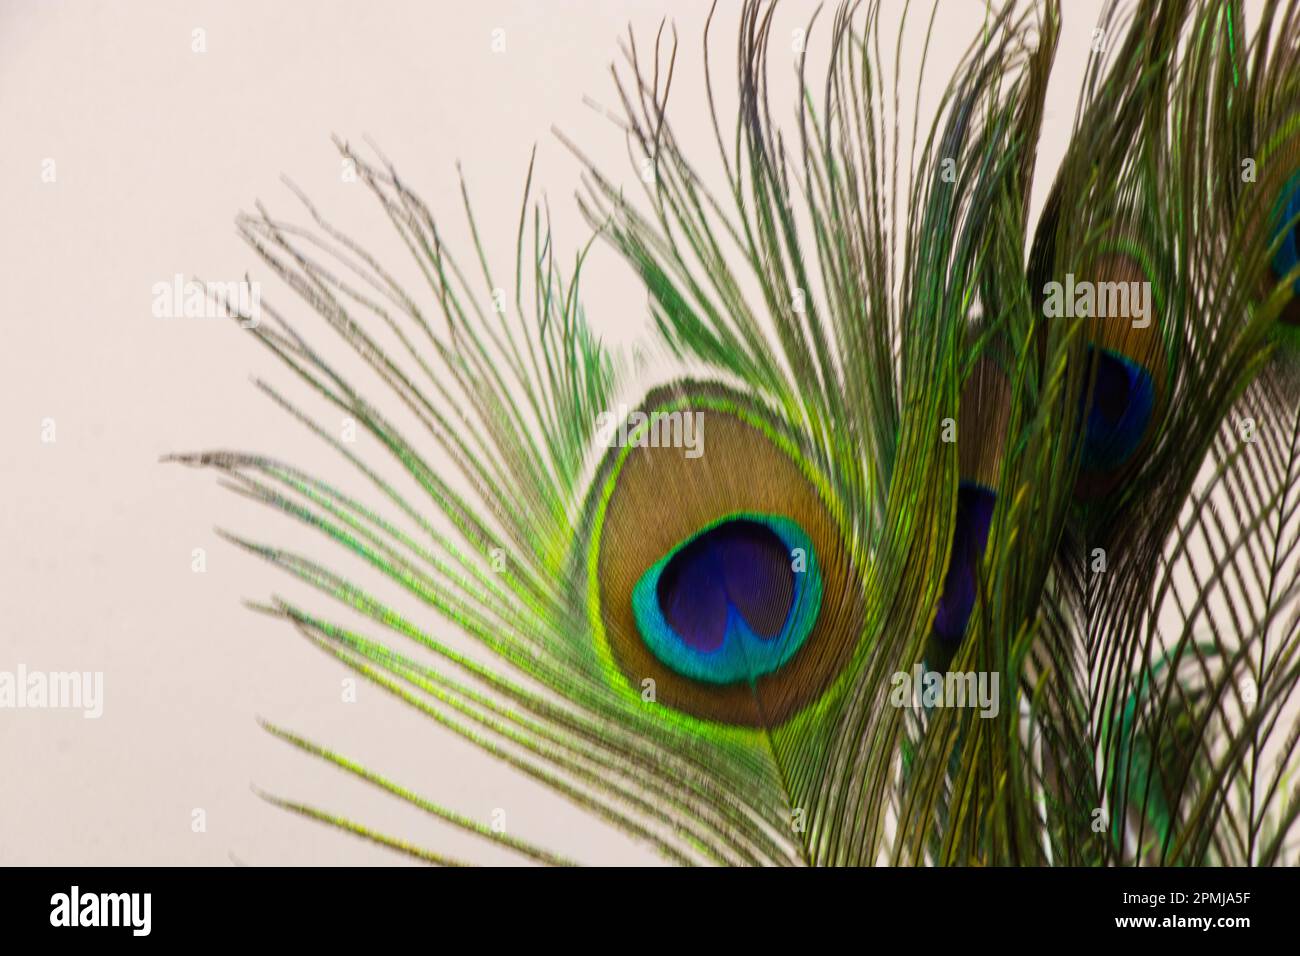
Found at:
(969, 538)
(1124, 381)
(1280, 180)
(725, 578)
(1116, 420)
(982, 423)
(1287, 217)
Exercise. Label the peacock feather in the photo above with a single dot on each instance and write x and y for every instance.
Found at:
(900, 437)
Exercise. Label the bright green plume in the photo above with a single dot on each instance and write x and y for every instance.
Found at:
(909, 463)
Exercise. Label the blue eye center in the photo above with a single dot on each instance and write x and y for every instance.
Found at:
(1288, 208)
(738, 568)
(969, 537)
(1123, 396)
(733, 602)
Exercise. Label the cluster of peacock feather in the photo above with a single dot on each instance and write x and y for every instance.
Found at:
(911, 462)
